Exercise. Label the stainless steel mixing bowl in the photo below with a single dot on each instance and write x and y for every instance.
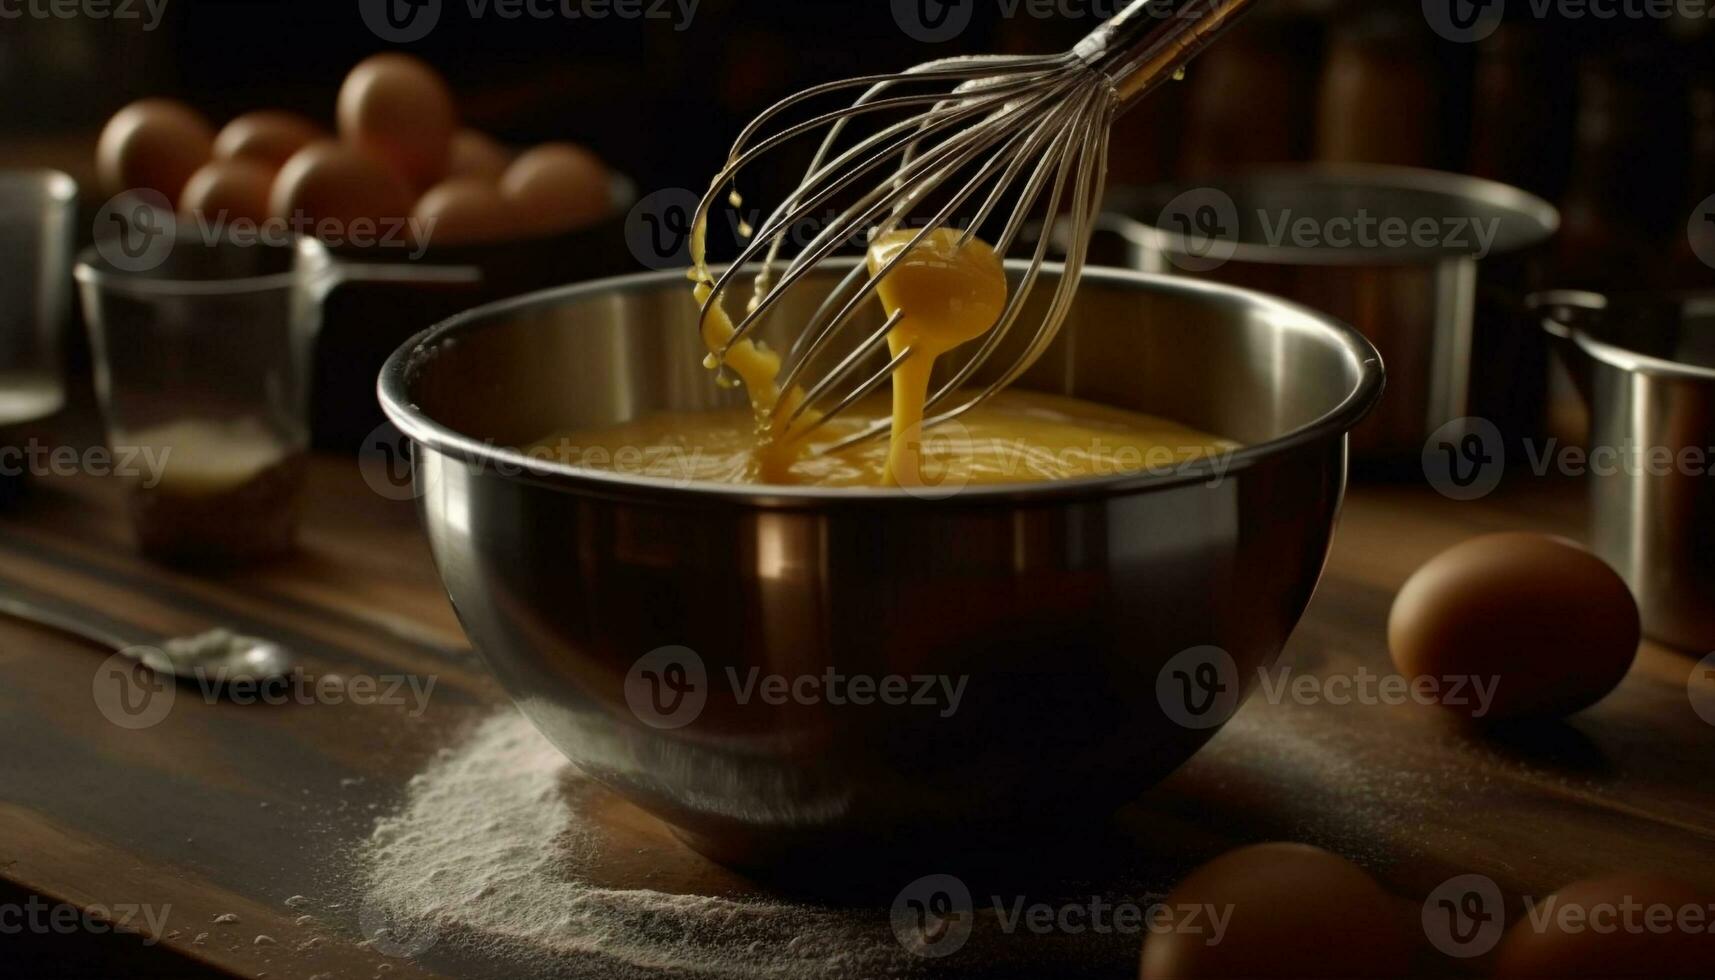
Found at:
(626, 614)
(1446, 314)
(1645, 365)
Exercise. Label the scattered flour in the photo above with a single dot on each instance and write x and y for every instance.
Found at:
(486, 854)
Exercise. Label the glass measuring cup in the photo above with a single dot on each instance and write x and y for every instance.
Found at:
(37, 210)
(202, 370)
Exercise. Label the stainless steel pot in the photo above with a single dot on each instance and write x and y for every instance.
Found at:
(1646, 368)
(608, 603)
(1444, 307)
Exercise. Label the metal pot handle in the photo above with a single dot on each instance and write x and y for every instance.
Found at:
(1564, 315)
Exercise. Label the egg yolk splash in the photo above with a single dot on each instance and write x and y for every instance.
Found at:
(948, 290)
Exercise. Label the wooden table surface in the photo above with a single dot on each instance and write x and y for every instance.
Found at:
(228, 809)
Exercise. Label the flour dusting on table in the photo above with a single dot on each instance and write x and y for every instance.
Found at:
(485, 857)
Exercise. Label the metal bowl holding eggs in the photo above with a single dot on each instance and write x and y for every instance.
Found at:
(780, 671)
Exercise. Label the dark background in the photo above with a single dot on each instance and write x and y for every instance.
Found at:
(1614, 119)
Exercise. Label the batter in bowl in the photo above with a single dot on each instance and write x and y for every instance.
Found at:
(947, 291)
(1014, 437)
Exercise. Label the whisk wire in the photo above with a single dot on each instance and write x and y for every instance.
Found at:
(1033, 126)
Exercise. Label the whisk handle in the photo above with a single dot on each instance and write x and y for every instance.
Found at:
(1144, 44)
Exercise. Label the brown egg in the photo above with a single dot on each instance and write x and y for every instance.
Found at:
(269, 136)
(466, 211)
(1290, 910)
(328, 181)
(559, 186)
(400, 111)
(1542, 626)
(153, 144)
(224, 191)
(476, 154)
(1626, 926)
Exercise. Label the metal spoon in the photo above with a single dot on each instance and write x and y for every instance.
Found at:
(218, 652)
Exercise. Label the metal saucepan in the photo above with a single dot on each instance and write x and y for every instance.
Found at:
(1056, 606)
(1645, 366)
(1432, 267)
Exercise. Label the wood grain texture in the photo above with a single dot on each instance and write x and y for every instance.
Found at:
(224, 808)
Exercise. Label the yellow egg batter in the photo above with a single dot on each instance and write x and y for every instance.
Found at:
(1014, 437)
(946, 291)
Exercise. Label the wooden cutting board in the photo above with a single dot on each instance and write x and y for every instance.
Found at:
(257, 811)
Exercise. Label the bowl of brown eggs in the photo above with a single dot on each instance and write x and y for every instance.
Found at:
(392, 176)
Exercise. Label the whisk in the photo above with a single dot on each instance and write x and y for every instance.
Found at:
(1026, 125)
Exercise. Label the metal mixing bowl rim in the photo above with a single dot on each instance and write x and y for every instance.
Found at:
(394, 390)
(1369, 176)
(1610, 352)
